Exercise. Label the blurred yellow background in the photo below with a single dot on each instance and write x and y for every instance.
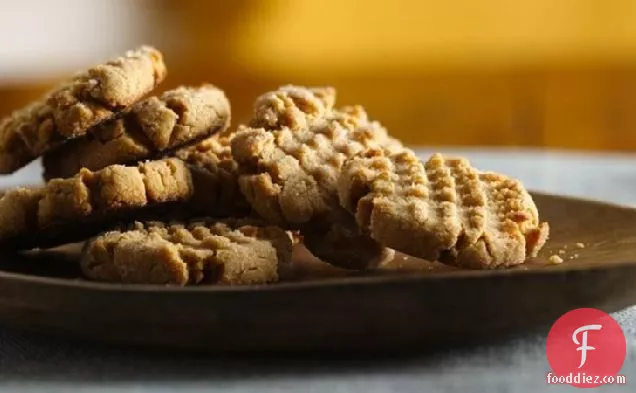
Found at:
(459, 72)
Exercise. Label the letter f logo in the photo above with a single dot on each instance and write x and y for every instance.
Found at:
(584, 347)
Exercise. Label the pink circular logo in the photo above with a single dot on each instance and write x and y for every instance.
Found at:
(585, 348)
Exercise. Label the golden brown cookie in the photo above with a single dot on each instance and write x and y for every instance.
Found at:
(294, 107)
(94, 95)
(67, 210)
(150, 128)
(230, 252)
(73, 107)
(289, 175)
(289, 169)
(443, 209)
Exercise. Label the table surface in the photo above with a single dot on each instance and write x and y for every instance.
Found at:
(36, 362)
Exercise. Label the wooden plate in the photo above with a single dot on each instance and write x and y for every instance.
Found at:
(408, 304)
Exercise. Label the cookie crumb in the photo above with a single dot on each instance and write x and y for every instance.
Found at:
(575, 256)
(555, 260)
(580, 245)
(561, 252)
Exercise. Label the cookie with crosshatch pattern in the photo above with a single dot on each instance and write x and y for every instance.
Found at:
(72, 209)
(204, 251)
(148, 129)
(69, 110)
(290, 159)
(442, 209)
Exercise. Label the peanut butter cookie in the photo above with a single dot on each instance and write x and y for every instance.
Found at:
(231, 252)
(73, 107)
(293, 107)
(72, 209)
(443, 209)
(290, 164)
(288, 174)
(150, 128)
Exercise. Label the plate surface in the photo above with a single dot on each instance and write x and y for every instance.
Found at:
(409, 303)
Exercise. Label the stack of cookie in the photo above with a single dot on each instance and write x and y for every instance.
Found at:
(162, 190)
